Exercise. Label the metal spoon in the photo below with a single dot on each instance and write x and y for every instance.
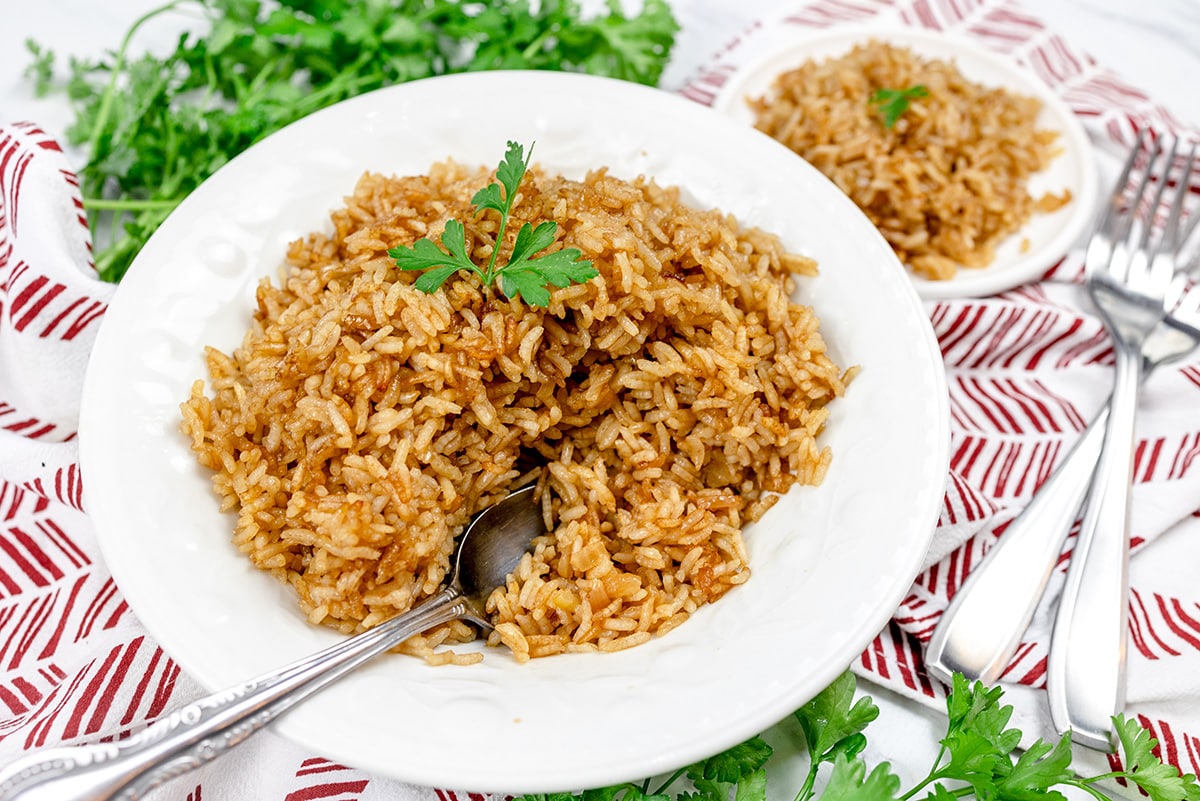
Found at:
(488, 551)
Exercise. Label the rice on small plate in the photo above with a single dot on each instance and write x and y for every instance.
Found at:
(983, 181)
(830, 563)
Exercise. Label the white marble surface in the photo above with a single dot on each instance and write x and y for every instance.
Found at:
(1153, 44)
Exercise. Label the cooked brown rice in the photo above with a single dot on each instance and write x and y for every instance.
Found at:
(948, 182)
(362, 422)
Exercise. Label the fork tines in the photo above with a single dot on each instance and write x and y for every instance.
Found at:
(1151, 185)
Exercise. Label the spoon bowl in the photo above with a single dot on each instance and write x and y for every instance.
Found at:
(489, 549)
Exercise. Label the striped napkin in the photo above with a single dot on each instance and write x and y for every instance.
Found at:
(1027, 369)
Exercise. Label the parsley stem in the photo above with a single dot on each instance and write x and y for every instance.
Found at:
(1086, 784)
(535, 45)
(921, 785)
(806, 789)
(110, 92)
(932, 777)
(102, 204)
(662, 789)
(487, 275)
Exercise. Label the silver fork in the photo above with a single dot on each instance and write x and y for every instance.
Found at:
(1132, 279)
(981, 629)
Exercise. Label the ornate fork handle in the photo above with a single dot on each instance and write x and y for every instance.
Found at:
(207, 728)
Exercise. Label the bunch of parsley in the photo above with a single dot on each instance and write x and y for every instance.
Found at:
(156, 127)
(978, 757)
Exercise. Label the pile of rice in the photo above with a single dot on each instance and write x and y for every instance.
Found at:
(948, 182)
(661, 405)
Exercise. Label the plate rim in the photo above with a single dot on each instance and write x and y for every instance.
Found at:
(89, 423)
(789, 41)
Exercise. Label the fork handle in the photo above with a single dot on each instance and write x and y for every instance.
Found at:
(1085, 677)
(981, 629)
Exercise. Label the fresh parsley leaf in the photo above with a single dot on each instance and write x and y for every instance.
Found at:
(628, 48)
(978, 750)
(432, 280)
(510, 172)
(849, 781)
(833, 723)
(737, 770)
(530, 240)
(736, 763)
(892, 103)
(834, 716)
(525, 275)
(1037, 771)
(1160, 781)
(977, 741)
(41, 69)
(440, 265)
(526, 285)
(752, 787)
(605, 793)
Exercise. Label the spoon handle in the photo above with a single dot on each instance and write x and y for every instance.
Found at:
(981, 629)
(210, 726)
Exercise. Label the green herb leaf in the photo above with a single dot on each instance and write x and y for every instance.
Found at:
(454, 240)
(892, 103)
(564, 267)
(736, 763)
(849, 781)
(530, 240)
(833, 723)
(526, 285)
(1039, 769)
(980, 750)
(490, 197)
(1160, 781)
(525, 275)
(511, 170)
(834, 720)
(752, 787)
(605, 793)
(977, 740)
(439, 264)
(431, 281)
(41, 69)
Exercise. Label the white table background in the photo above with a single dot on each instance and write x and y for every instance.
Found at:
(1152, 44)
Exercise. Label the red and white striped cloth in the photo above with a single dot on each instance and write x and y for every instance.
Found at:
(1027, 369)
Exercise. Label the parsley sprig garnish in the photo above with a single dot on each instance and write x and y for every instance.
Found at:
(525, 274)
(892, 103)
(978, 757)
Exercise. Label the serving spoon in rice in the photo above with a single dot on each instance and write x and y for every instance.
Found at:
(488, 551)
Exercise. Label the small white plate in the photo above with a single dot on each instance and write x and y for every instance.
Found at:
(1049, 236)
(830, 563)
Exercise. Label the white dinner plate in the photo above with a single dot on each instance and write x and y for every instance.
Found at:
(1027, 253)
(830, 563)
